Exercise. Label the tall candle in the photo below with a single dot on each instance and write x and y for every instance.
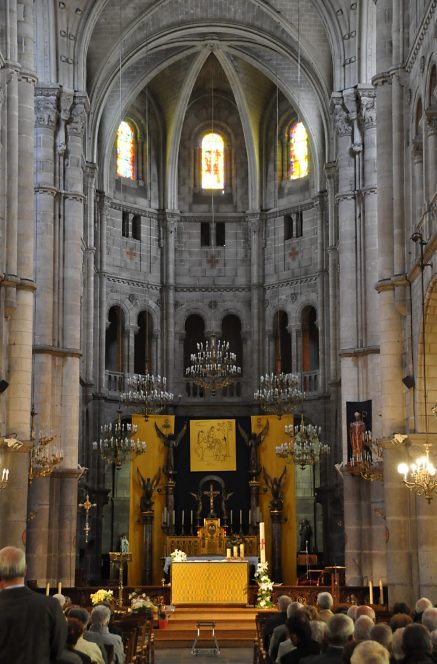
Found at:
(241, 550)
(48, 588)
(370, 593)
(59, 587)
(262, 542)
(228, 553)
(381, 593)
(183, 518)
(235, 551)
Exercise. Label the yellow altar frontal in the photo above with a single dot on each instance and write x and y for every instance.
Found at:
(209, 582)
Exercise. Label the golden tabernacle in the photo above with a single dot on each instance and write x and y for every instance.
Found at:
(210, 582)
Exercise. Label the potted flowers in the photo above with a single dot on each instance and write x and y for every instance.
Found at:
(102, 596)
(141, 603)
(265, 586)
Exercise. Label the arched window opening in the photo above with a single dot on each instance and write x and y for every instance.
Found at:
(125, 218)
(114, 360)
(231, 331)
(194, 334)
(126, 150)
(419, 114)
(310, 340)
(298, 155)
(282, 343)
(136, 227)
(433, 88)
(213, 162)
(143, 344)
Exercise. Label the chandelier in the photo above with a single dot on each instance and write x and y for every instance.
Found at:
(213, 366)
(369, 463)
(149, 392)
(7, 443)
(43, 456)
(305, 447)
(420, 476)
(116, 445)
(279, 394)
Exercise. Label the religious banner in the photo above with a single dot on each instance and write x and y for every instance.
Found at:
(212, 445)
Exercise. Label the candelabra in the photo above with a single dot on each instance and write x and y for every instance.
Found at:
(116, 444)
(279, 394)
(420, 476)
(9, 442)
(369, 463)
(305, 447)
(149, 392)
(43, 456)
(213, 366)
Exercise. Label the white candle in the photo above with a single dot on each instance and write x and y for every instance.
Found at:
(370, 593)
(262, 542)
(228, 553)
(235, 551)
(59, 587)
(241, 550)
(48, 588)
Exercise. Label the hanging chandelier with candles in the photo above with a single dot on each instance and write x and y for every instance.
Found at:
(420, 476)
(44, 456)
(148, 392)
(304, 447)
(279, 394)
(7, 443)
(213, 367)
(116, 444)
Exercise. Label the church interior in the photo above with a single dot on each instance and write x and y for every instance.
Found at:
(218, 245)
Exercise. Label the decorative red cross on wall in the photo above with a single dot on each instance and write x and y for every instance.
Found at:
(212, 260)
(131, 253)
(293, 253)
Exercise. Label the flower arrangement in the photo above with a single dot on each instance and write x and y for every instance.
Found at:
(265, 586)
(141, 603)
(102, 596)
(178, 556)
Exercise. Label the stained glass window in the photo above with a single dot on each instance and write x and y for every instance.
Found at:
(126, 151)
(298, 152)
(213, 165)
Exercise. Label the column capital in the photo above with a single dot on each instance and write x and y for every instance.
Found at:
(46, 107)
(367, 107)
(77, 121)
(340, 115)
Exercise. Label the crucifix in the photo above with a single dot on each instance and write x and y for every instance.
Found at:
(213, 261)
(87, 505)
(211, 495)
(131, 253)
(293, 253)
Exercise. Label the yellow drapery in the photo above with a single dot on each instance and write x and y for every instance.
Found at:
(148, 463)
(274, 465)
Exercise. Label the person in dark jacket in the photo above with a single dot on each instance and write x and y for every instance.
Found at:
(298, 626)
(417, 645)
(32, 626)
(275, 620)
(340, 632)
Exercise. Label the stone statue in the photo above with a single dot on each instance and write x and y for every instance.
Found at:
(124, 544)
(253, 441)
(275, 486)
(171, 441)
(149, 486)
(305, 535)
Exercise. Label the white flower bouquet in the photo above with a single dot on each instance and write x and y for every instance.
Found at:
(265, 586)
(178, 556)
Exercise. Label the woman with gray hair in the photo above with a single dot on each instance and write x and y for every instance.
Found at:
(100, 616)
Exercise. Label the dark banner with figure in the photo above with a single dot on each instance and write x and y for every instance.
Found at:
(359, 420)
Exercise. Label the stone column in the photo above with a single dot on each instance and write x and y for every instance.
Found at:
(89, 304)
(417, 156)
(276, 569)
(171, 221)
(431, 147)
(331, 172)
(255, 225)
(103, 208)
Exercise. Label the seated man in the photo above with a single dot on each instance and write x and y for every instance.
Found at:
(275, 620)
(300, 635)
(370, 652)
(100, 617)
(280, 632)
(340, 632)
(325, 602)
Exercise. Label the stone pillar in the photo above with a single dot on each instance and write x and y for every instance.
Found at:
(417, 155)
(431, 147)
(171, 221)
(147, 521)
(255, 224)
(102, 212)
(331, 172)
(322, 283)
(89, 304)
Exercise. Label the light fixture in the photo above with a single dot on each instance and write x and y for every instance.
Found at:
(420, 476)
(149, 392)
(7, 443)
(279, 394)
(44, 457)
(213, 366)
(369, 463)
(116, 445)
(304, 447)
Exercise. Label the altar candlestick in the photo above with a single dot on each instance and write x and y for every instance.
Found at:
(183, 518)
(381, 593)
(48, 588)
(59, 587)
(228, 553)
(235, 551)
(241, 550)
(370, 593)
(262, 542)
(191, 517)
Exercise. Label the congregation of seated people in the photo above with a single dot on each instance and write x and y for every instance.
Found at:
(324, 634)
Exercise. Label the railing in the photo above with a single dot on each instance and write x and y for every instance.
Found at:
(115, 381)
(310, 382)
(193, 391)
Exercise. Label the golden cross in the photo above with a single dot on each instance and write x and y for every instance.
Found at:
(211, 494)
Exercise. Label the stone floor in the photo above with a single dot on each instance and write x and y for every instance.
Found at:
(184, 656)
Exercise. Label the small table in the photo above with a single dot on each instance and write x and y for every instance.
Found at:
(205, 624)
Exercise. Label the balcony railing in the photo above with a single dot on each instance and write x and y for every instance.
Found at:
(310, 382)
(115, 381)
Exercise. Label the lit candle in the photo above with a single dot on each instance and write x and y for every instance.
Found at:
(381, 593)
(228, 553)
(262, 542)
(191, 517)
(48, 588)
(370, 593)
(235, 551)
(231, 517)
(59, 587)
(241, 550)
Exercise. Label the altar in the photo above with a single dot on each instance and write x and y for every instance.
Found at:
(223, 581)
